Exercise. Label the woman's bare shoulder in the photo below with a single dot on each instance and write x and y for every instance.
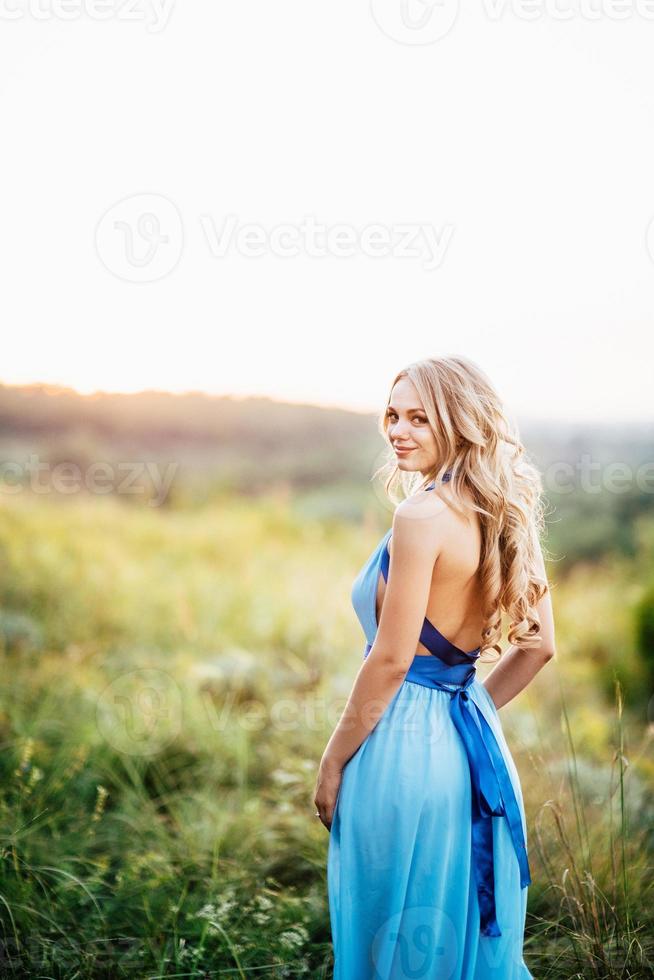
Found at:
(436, 508)
(423, 504)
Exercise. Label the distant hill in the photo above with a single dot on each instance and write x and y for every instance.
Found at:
(324, 457)
(247, 442)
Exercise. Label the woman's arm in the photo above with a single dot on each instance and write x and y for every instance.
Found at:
(417, 533)
(519, 665)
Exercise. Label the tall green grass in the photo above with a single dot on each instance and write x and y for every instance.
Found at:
(170, 680)
(592, 915)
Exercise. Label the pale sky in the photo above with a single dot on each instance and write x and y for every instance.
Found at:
(510, 155)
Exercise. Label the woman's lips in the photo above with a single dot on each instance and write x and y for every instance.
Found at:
(404, 452)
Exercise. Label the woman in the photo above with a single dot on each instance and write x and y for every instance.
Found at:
(427, 867)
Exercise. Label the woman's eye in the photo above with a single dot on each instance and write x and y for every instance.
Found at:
(416, 418)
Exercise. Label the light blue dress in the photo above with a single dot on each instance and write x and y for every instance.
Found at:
(427, 867)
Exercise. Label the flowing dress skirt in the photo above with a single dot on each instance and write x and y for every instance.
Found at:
(402, 890)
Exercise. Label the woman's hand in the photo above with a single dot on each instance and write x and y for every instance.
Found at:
(326, 791)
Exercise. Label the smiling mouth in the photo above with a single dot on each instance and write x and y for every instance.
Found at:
(404, 451)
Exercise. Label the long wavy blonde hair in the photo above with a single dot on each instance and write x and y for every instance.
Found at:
(480, 446)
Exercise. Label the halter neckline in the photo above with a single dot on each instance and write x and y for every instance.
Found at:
(446, 477)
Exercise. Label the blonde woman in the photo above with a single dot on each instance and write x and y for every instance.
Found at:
(427, 867)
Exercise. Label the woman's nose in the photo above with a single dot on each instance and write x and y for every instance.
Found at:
(399, 431)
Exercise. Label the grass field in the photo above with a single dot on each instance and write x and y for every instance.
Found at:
(170, 680)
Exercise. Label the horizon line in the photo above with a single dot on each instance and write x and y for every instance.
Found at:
(56, 386)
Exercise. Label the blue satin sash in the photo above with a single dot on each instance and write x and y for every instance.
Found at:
(492, 790)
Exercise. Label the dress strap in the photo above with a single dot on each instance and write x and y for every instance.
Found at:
(492, 796)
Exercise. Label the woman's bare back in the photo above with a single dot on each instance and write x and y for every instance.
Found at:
(454, 605)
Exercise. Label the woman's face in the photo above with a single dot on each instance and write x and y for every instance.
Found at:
(408, 429)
